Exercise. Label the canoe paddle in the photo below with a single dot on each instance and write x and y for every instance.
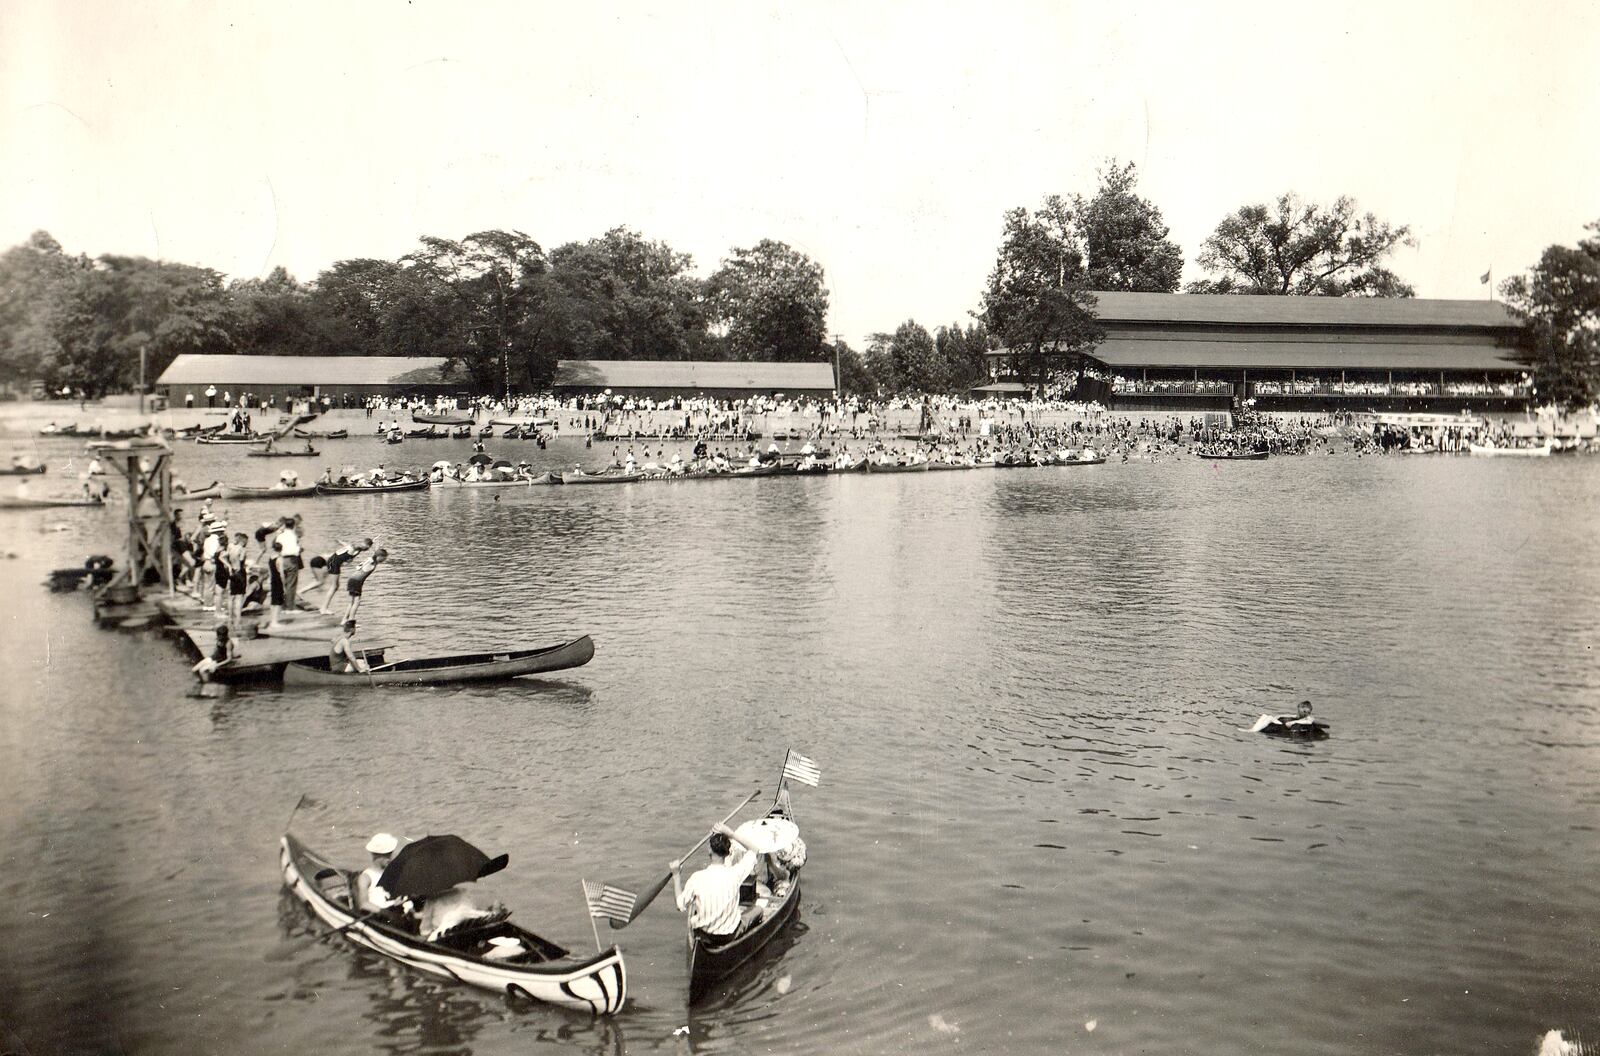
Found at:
(650, 895)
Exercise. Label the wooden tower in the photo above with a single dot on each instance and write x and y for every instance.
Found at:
(146, 466)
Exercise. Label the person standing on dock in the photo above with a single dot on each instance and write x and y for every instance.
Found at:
(289, 560)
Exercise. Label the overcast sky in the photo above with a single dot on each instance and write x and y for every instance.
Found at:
(885, 140)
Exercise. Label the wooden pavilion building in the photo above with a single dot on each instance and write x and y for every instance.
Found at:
(1193, 352)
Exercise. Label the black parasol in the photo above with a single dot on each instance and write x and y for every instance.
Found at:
(435, 864)
(480, 459)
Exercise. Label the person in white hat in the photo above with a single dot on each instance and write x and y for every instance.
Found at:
(371, 898)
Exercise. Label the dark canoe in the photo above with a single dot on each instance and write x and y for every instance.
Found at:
(240, 491)
(442, 419)
(819, 468)
(429, 433)
(283, 454)
(12, 502)
(915, 467)
(599, 478)
(934, 467)
(472, 667)
(205, 439)
(21, 471)
(538, 969)
(1234, 456)
(1079, 462)
(755, 471)
(372, 489)
(310, 434)
(710, 964)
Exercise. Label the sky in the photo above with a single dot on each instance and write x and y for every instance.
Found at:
(884, 140)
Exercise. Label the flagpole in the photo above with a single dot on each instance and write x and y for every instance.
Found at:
(592, 926)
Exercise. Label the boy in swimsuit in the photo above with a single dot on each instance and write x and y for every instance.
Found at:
(358, 580)
(224, 651)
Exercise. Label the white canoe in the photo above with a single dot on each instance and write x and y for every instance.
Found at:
(544, 971)
(1512, 452)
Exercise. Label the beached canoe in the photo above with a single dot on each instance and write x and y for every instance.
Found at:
(1100, 461)
(430, 433)
(371, 489)
(283, 454)
(574, 477)
(21, 471)
(311, 434)
(914, 467)
(274, 491)
(442, 419)
(472, 667)
(499, 956)
(13, 502)
(710, 963)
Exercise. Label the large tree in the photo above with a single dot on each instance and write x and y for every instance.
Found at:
(107, 315)
(33, 277)
(771, 305)
(905, 361)
(1124, 238)
(961, 355)
(1560, 301)
(623, 297)
(484, 306)
(1037, 302)
(278, 316)
(1300, 248)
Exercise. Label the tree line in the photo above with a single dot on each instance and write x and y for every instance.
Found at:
(502, 310)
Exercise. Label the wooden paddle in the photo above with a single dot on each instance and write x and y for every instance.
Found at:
(650, 895)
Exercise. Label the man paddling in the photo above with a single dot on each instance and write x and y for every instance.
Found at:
(711, 894)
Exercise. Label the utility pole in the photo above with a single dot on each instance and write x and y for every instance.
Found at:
(142, 356)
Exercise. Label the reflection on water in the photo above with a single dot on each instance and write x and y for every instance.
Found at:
(1028, 692)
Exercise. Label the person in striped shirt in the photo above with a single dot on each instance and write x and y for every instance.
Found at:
(711, 894)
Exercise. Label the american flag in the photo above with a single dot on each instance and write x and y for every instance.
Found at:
(608, 901)
(801, 769)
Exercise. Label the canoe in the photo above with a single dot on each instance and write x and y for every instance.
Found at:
(21, 471)
(471, 667)
(709, 964)
(283, 454)
(429, 433)
(451, 482)
(274, 491)
(207, 439)
(210, 491)
(443, 419)
(543, 971)
(1080, 461)
(574, 477)
(755, 471)
(1511, 452)
(915, 467)
(12, 502)
(311, 434)
(370, 489)
(1233, 456)
(816, 470)
(520, 423)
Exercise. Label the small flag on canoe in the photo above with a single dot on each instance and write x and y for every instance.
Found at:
(608, 901)
(801, 769)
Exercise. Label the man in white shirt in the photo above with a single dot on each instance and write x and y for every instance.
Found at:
(288, 540)
(711, 894)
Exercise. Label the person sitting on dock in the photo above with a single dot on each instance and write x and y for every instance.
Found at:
(711, 894)
(370, 897)
(224, 651)
(342, 656)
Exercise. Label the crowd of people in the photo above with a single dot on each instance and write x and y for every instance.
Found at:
(259, 587)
